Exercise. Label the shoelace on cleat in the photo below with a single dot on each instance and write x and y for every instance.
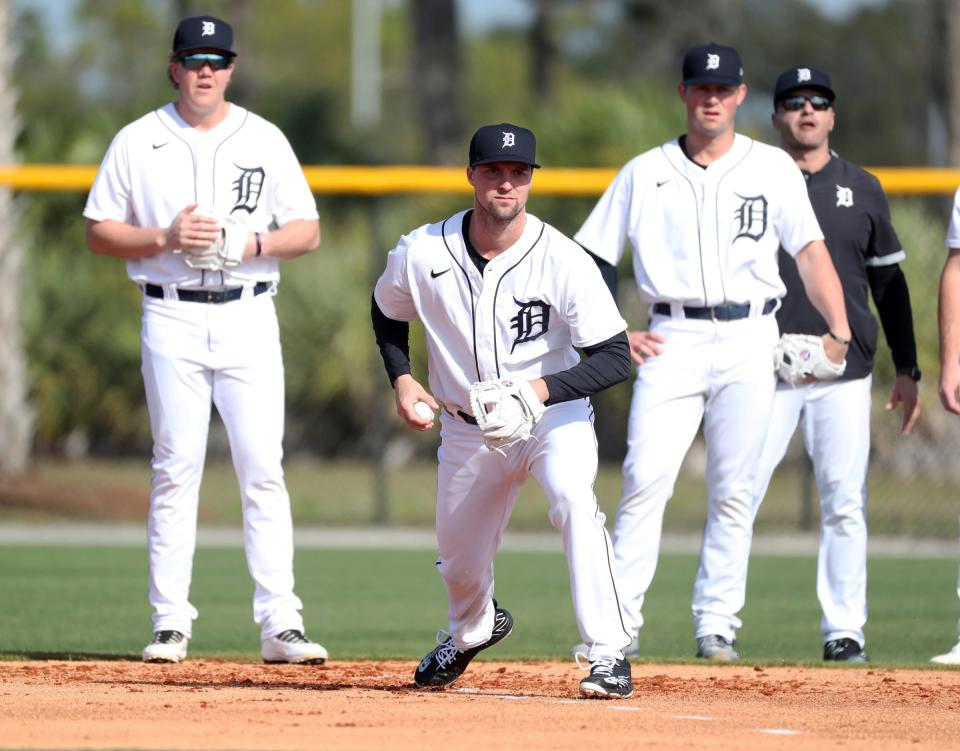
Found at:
(600, 666)
(168, 637)
(292, 636)
(447, 651)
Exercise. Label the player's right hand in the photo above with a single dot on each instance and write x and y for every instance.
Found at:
(407, 392)
(644, 344)
(192, 231)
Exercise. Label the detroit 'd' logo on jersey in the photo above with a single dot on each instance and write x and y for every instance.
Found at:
(531, 321)
(751, 217)
(247, 188)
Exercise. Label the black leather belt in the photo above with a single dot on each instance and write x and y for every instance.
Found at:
(214, 296)
(725, 312)
(467, 418)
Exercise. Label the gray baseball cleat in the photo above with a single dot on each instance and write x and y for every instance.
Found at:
(717, 648)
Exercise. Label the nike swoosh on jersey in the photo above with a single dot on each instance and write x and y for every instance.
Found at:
(435, 274)
(662, 182)
(160, 145)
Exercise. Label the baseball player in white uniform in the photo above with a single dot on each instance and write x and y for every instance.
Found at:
(203, 198)
(705, 214)
(505, 299)
(949, 316)
(835, 415)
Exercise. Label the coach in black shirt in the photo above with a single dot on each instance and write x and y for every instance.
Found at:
(834, 416)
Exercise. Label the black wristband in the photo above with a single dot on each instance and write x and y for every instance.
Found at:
(259, 243)
(838, 340)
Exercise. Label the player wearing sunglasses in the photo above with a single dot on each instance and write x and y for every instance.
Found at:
(204, 199)
(834, 416)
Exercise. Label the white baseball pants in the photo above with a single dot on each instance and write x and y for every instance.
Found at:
(476, 492)
(834, 419)
(195, 354)
(720, 374)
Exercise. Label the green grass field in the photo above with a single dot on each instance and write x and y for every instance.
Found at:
(88, 602)
(342, 493)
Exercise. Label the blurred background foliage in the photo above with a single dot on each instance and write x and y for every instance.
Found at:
(596, 81)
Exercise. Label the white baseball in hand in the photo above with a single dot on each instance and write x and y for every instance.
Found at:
(423, 409)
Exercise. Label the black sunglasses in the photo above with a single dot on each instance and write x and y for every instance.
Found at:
(794, 103)
(197, 61)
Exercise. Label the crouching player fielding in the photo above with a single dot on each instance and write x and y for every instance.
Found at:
(504, 299)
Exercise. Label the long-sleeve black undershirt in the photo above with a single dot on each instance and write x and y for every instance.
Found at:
(888, 285)
(606, 363)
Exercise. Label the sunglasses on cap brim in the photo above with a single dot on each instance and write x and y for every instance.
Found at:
(198, 60)
(794, 103)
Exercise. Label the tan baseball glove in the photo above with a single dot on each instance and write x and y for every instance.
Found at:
(800, 358)
(225, 252)
(505, 410)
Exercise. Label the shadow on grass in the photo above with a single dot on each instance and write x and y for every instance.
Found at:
(68, 656)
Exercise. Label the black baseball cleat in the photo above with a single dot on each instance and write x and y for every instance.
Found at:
(609, 679)
(446, 663)
(844, 650)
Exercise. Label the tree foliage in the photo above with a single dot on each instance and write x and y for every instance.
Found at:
(596, 80)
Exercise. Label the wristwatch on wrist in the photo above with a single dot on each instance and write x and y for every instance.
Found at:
(913, 372)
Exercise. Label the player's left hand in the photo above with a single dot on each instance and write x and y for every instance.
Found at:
(644, 344)
(950, 388)
(905, 392)
(835, 351)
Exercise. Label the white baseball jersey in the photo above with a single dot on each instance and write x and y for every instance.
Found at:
(703, 237)
(197, 354)
(520, 318)
(953, 231)
(243, 168)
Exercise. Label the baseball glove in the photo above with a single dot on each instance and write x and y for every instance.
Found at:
(505, 410)
(800, 358)
(225, 252)
(233, 244)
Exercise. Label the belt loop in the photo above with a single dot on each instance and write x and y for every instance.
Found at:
(170, 292)
(677, 311)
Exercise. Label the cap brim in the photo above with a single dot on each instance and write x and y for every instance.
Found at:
(187, 50)
(722, 80)
(816, 87)
(495, 159)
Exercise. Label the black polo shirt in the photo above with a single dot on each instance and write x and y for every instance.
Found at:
(855, 218)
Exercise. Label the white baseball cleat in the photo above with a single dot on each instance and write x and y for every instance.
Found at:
(950, 658)
(167, 646)
(292, 646)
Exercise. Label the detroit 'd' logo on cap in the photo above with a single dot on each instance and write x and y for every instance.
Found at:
(508, 139)
(803, 74)
(713, 62)
(208, 30)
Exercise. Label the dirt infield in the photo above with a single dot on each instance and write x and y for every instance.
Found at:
(372, 705)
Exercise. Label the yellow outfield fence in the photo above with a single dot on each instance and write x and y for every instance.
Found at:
(400, 179)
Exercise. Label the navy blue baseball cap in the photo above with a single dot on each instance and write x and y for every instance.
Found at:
(503, 143)
(203, 33)
(802, 78)
(712, 63)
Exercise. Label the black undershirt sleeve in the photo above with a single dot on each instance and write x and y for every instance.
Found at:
(393, 339)
(605, 365)
(607, 270)
(892, 298)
